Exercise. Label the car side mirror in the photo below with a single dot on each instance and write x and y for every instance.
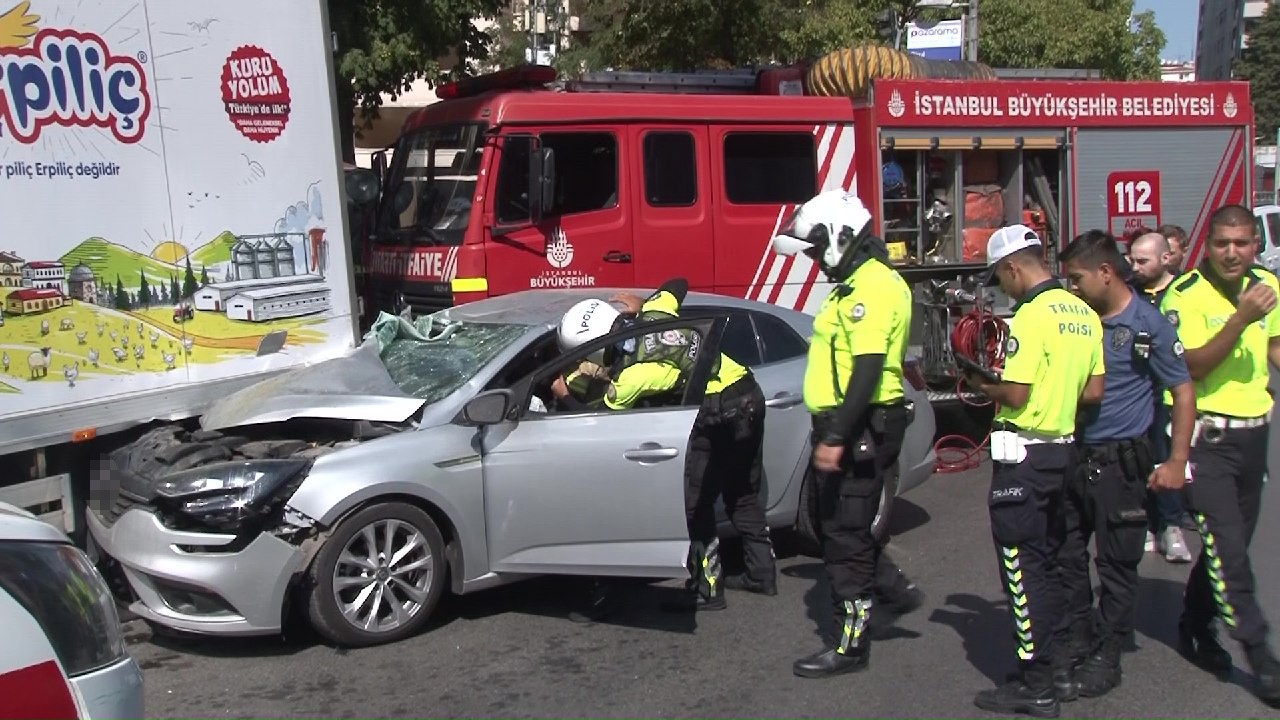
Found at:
(362, 186)
(488, 408)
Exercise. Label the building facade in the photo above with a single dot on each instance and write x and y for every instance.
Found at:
(1223, 33)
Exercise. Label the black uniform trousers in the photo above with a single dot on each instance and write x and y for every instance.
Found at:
(1104, 499)
(848, 501)
(1028, 526)
(725, 460)
(1224, 496)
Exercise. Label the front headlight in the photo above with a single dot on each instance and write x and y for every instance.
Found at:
(225, 494)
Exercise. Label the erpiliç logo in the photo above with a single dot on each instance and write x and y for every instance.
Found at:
(70, 78)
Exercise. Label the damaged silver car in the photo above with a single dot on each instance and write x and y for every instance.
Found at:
(358, 490)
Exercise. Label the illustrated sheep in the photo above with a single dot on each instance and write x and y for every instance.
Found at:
(169, 360)
(44, 327)
(93, 357)
(39, 363)
(71, 372)
(4, 362)
(66, 324)
(120, 354)
(82, 338)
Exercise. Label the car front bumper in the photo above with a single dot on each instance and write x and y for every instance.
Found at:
(189, 581)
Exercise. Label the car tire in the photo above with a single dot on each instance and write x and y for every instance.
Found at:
(806, 528)
(416, 591)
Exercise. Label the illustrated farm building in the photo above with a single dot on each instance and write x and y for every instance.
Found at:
(264, 284)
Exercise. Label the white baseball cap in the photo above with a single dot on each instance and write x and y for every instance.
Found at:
(1005, 242)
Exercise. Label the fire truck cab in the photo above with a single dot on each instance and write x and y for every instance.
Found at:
(518, 180)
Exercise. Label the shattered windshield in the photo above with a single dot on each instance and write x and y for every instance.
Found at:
(432, 369)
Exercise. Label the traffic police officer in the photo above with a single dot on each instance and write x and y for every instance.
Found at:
(854, 389)
(1105, 496)
(1226, 314)
(1053, 362)
(726, 446)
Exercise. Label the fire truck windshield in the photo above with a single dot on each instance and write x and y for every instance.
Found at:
(430, 185)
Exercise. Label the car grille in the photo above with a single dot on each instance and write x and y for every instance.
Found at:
(422, 298)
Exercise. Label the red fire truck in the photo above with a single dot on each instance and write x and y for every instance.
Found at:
(518, 180)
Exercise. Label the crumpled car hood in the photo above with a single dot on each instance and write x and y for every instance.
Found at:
(353, 387)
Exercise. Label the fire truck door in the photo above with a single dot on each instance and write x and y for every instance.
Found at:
(584, 237)
(761, 174)
(672, 200)
(1128, 179)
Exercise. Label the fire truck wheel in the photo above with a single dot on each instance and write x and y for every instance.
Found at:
(806, 528)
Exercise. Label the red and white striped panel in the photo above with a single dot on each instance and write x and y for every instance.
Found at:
(32, 684)
(797, 282)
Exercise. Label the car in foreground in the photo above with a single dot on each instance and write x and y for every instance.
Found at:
(63, 654)
(358, 490)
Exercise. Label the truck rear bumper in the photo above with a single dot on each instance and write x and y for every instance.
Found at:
(187, 581)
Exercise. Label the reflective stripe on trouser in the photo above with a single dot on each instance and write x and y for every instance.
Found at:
(856, 614)
(1102, 502)
(1026, 507)
(1225, 497)
(704, 567)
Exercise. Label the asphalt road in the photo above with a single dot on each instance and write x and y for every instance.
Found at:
(512, 652)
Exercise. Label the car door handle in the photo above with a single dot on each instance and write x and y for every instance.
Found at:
(784, 400)
(617, 256)
(651, 452)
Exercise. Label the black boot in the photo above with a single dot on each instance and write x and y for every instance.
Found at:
(1100, 673)
(853, 649)
(1065, 685)
(901, 596)
(1198, 643)
(1032, 694)
(1266, 671)
(746, 583)
(1079, 643)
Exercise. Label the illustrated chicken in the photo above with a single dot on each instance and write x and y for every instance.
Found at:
(71, 372)
(93, 357)
(17, 26)
(4, 362)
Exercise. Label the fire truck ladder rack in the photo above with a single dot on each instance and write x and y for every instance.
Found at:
(723, 82)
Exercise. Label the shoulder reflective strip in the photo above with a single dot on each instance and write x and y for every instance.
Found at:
(470, 284)
(37, 691)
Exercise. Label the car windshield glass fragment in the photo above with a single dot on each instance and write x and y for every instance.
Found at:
(433, 369)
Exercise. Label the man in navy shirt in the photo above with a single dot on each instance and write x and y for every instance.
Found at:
(1105, 495)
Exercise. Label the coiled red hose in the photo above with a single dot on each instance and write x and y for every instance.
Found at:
(957, 453)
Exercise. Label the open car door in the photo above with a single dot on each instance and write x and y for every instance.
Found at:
(599, 492)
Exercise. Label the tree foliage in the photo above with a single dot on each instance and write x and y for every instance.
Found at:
(384, 45)
(1260, 65)
(689, 34)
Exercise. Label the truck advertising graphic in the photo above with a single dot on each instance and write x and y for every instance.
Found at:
(169, 183)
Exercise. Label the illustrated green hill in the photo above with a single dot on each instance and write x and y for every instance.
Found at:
(217, 250)
(108, 260)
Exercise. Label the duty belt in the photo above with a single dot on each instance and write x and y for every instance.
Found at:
(1108, 451)
(1031, 437)
(1213, 427)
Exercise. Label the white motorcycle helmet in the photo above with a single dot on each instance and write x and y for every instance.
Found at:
(825, 228)
(586, 321)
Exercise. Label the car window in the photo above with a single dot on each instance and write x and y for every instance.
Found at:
(586, 177)
(670, 169)
(739, 340)
(779, 340)
(431, 370)
(591, 370)
(769, 167)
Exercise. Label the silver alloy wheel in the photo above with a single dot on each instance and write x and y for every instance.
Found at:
(382, 576)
